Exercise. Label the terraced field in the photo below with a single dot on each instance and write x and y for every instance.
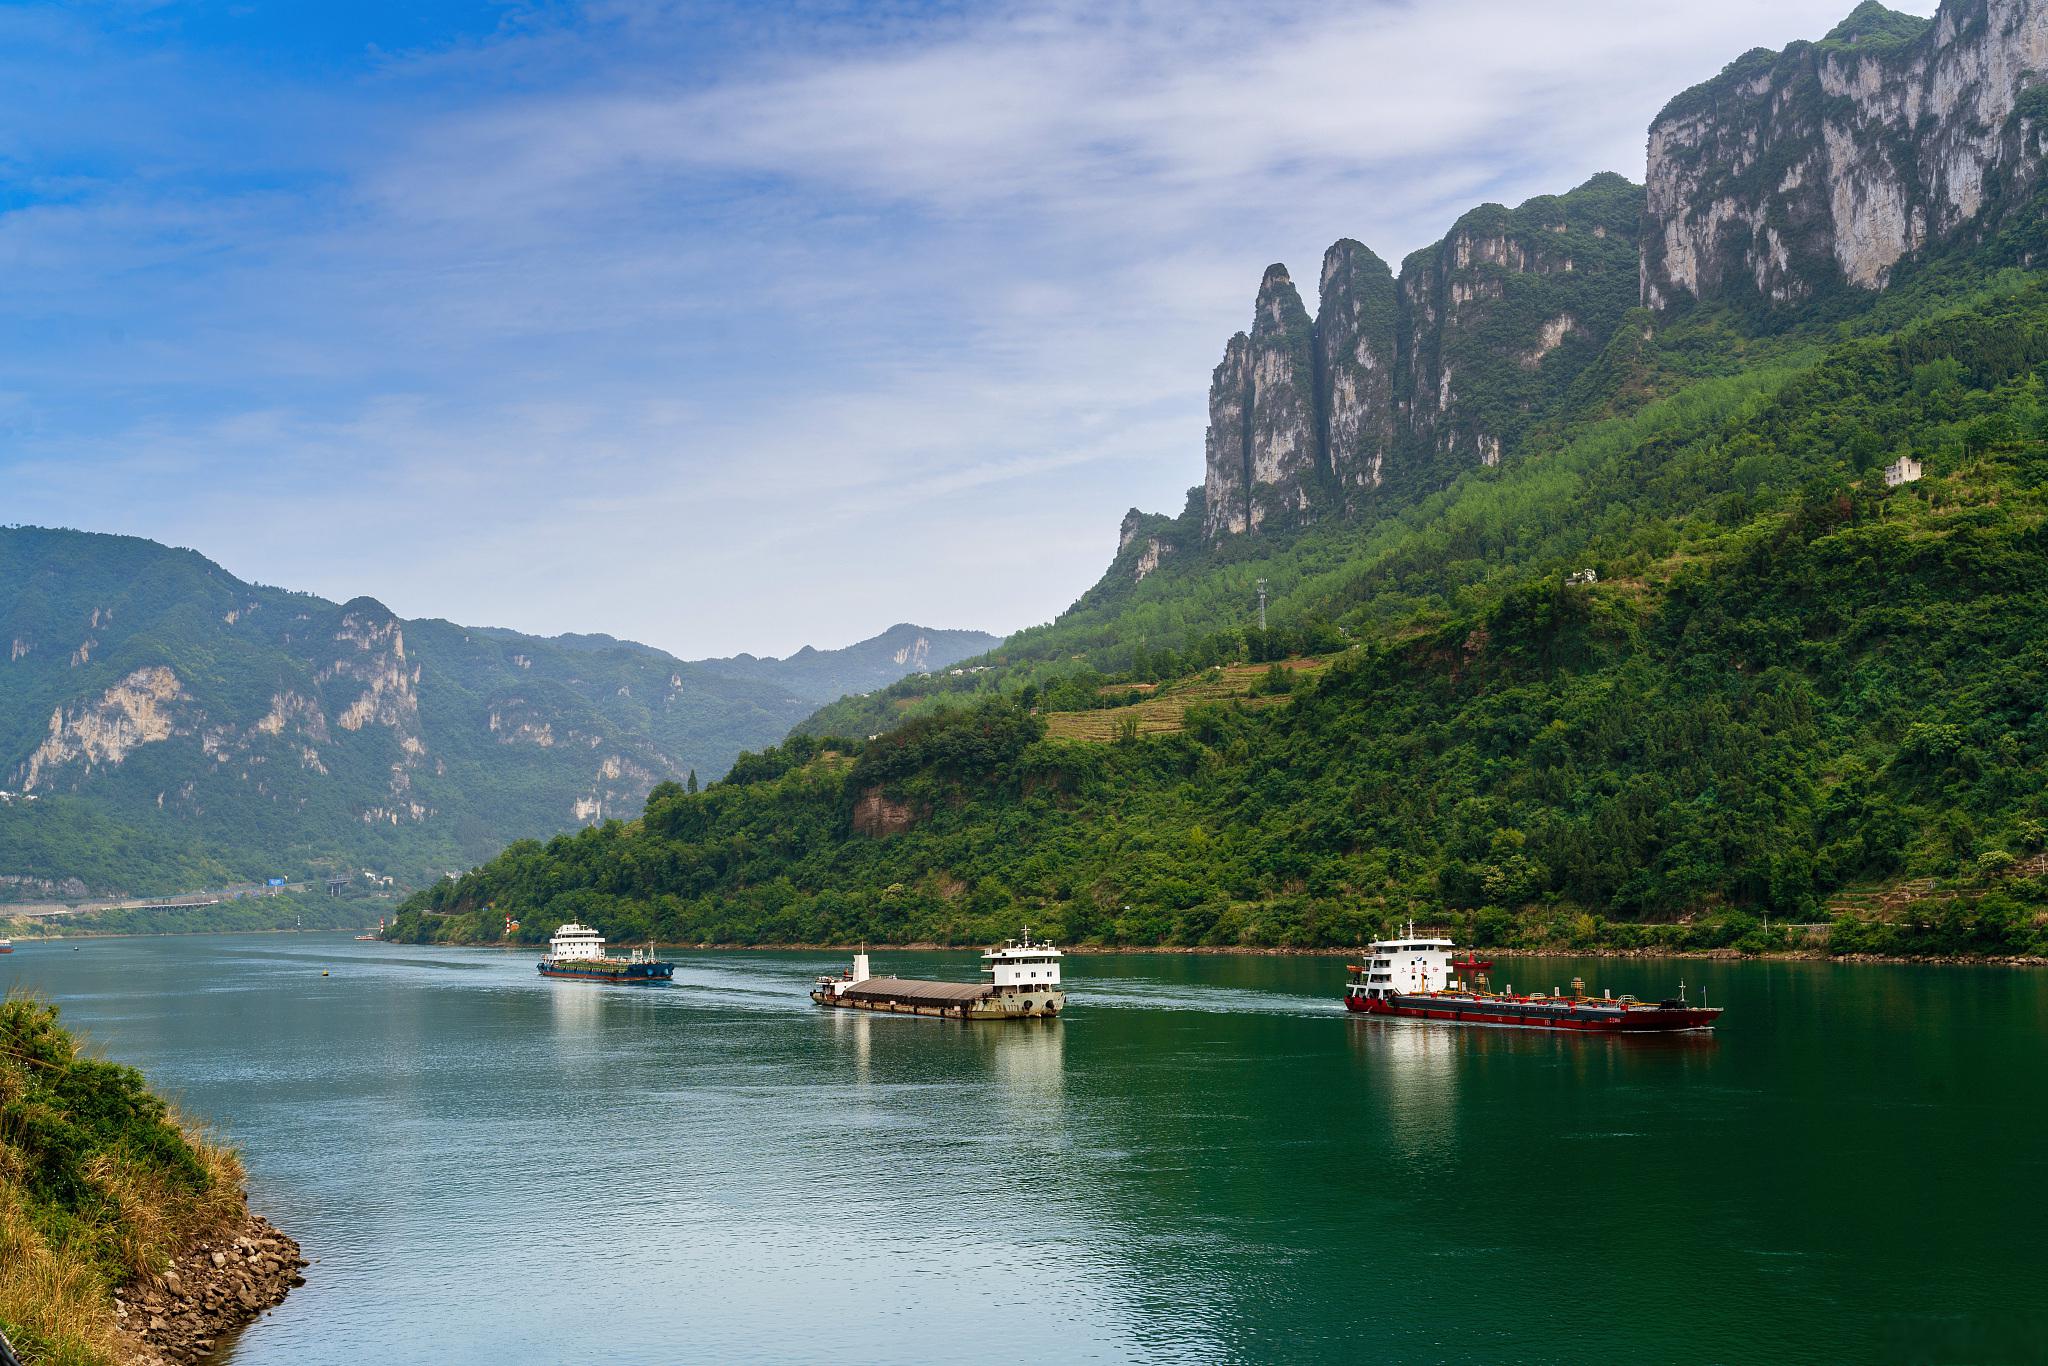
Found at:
(1165, 706)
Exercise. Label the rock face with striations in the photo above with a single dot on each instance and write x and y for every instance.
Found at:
(1824, 165)
(1280, 432)
(1357, 324)
(1226, 482)
(1262, 442)
(1503, 313)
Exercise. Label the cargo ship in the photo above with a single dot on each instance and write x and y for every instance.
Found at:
(577, 951)
(1023, 982)
(1417, 978)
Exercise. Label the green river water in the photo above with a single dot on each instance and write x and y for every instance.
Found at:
(1204, 1160)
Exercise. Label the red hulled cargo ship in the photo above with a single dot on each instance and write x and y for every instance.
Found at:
(1416, 978)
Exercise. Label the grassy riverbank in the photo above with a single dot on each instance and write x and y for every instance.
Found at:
(102, 1187)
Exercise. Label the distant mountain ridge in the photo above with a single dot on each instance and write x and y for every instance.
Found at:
(164, 724)
(823, 676)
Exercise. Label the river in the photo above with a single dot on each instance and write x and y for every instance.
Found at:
(1204, 1160)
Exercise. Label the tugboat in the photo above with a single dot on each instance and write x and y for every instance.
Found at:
(1023, 983)
(578, 951)
(1413, 979)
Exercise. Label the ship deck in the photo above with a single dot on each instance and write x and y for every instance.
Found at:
(910, 991)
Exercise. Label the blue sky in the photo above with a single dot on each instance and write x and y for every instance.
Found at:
(724, 326)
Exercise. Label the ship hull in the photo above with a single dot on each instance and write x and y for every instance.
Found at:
(1586, 1017)
(993, 1008)
(623, 974)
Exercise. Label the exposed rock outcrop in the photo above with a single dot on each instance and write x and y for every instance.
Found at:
(1790, 175)
(1263, 445)
(1826, 164)
(139, 710)
(877, 817)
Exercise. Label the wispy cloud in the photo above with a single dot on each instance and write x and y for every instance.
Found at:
(565, 316)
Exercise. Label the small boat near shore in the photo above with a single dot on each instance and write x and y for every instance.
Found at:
(6, 946)
(1417, 978)
(1023, 983)
(577, 952)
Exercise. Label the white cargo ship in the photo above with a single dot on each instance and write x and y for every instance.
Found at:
(1022, 982)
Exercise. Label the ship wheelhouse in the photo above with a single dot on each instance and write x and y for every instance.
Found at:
(1413, 964)
(1022, 965)
(576, 943)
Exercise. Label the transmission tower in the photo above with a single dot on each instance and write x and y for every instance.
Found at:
(1262, 604)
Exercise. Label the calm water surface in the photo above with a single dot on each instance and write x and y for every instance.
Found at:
(1205, 1160)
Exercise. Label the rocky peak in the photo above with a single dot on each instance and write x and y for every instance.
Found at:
(1280, 428)
(1823, 166)
(1356, 352)
(1128, 532)
(1263, 449)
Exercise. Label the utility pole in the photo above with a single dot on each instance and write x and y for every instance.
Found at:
(1262, 604)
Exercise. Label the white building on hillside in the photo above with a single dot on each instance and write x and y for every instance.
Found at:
(1904, 470)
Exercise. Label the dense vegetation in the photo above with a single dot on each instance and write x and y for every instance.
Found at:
(98, 1186)
(1787, 683)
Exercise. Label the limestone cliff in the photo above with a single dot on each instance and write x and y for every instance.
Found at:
(1357, 326)
(1280, 429)
(1824, 166)
(1505, 311)
(1226, 483)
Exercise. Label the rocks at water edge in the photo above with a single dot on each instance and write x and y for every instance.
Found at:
(217, 1287)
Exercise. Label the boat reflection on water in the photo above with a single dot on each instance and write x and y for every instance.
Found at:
(1415, 1071)
(575, 1008)
(1418, 1067)
(1028, 1066)
(854, 1032)
(1022, 1061)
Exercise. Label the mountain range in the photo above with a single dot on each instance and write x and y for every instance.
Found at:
(1639, 565)
(165, 725)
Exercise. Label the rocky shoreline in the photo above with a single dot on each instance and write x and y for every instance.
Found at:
(219, 1286)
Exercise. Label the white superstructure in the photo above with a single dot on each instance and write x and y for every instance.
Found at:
(1416, 963)
(1021, 963)
(836, 987)
(575, 943)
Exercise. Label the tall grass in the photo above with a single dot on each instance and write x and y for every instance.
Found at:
(102, 1184)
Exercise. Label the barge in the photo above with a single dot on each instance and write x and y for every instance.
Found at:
(1023, 982)
(1416, 978)
(577, 952)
